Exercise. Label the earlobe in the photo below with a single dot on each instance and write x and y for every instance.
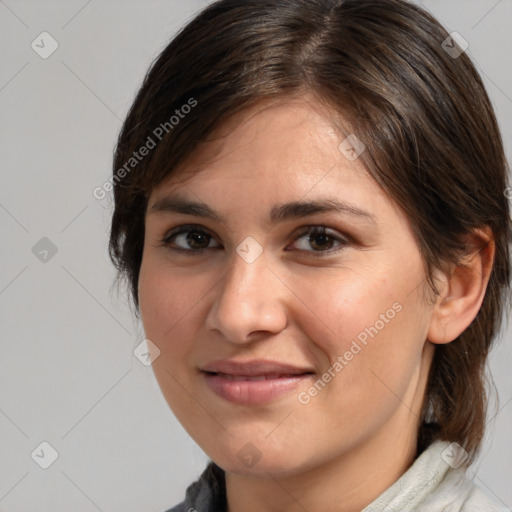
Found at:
(464, 289)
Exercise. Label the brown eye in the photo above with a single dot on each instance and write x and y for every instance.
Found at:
(322, 240)
(188, 239)
(192, 239)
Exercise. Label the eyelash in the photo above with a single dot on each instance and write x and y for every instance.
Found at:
(311, 231)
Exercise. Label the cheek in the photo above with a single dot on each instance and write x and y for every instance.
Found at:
(167, 294)
(171, 301)
(153, 297)
(370, 332)
(345, 307)
(160, 311)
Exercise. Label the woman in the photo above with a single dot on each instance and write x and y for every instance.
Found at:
(310, 209)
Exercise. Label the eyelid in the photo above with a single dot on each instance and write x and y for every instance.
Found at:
(184, 228)
(343, 240)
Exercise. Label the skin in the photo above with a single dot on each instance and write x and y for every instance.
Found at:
(354, 438)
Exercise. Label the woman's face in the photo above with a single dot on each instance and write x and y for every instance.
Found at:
(344, 308)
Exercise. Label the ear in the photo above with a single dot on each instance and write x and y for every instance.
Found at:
(462, 292)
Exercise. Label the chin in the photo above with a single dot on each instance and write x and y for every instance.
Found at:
(255, 460)
(262, 469)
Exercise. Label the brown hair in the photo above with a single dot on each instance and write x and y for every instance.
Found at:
(431, 136)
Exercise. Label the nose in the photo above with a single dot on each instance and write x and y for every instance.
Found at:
(248, 300)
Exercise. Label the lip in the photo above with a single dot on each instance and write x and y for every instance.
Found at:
(253, 382)
(254, 368)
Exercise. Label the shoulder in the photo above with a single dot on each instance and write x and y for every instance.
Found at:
(207, 494)
(434, 484)
(178, 508)
(454, 490)
(480, 501)
(458, 493)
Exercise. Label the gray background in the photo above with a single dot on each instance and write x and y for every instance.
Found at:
(68, 375)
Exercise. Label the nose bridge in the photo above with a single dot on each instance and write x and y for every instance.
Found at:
(247, 278)
(246, 300)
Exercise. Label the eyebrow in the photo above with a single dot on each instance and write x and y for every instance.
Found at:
(279, 213)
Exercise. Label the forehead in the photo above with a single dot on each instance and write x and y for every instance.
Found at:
(275, 162)
(293, 143)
